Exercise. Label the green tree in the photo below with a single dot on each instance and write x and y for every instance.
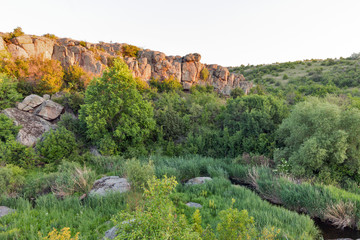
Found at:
(8, 93)
(320, 138)
(118, 119)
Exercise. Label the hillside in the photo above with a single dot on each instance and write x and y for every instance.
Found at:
(309, 77)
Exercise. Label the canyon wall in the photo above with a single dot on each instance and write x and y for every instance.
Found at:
(94, 58)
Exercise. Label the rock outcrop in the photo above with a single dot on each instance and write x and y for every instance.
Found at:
(33, 127)
(34, 114)
(105, 185)
(94, 58)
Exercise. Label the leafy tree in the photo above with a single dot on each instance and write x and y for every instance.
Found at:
(116, 115)
(75, 79)
(8, 93)
(237, 92)
(319, 138)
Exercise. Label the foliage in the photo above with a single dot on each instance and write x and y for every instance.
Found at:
(157, 219)
(11, 151)
(115, 113)
(82, 43)
(320, 139)
(72, 178)
(35, 75)
(71, 101)
(56, 145)
(8, 93)
(130, 50)
(204, 74)
(167, 85)
(75, 79)
(64, 234)
(50, 36)
(237, 92)
(11, 179)
(139, 174)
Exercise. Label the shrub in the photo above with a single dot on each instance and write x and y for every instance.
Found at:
(8, 93)
(237, 92)
(13, 152)
(75, 79)
(130, 50)
(139, 174)
(8, 131)
(17, 32)
(50, 36)
(285, 76)
(167, 85)
(157, 219)
(56, 145)
(204, 74)
(11, 179)
(82, 43)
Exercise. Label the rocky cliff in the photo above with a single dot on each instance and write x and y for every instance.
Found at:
(94, 58)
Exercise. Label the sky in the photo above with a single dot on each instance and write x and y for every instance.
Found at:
(225, 32)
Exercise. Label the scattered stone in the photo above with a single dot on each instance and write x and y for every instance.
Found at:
(33, 127)
(49, 110)
(30, 102)
(111, 233)
(198, 180)
(194, 205)
(110, 184)
(5, 211)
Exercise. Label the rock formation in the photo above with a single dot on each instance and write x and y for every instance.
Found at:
(94, 58)
(34, 114)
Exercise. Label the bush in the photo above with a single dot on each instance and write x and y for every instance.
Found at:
(56, 145)
(8, 94)
(82, 43)
(50, 36)
(139, 174)
(8, 131)
(167, 85)
(237, 92)
(11, 179)
(75, 79)
(71, 101)
(204, 74)
(130, 50)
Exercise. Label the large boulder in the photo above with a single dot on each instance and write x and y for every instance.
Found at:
(17, 51)
(5, 211)
(30, 103)
(108, 184)
(33, 127)
(111, 233)
(198, 180)
(49, 110)
(193, 205)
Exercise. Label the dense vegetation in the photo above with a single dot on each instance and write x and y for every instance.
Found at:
(293, 140)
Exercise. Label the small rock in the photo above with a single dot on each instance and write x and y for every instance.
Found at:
(5, 211)
(30, 102)
(49, 110)
(194, 205)
(110, 184)
(111, 233)
(198, 180)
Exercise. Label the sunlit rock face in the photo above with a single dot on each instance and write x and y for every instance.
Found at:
(94, 58)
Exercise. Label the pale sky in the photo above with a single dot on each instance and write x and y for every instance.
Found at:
(226, 32)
